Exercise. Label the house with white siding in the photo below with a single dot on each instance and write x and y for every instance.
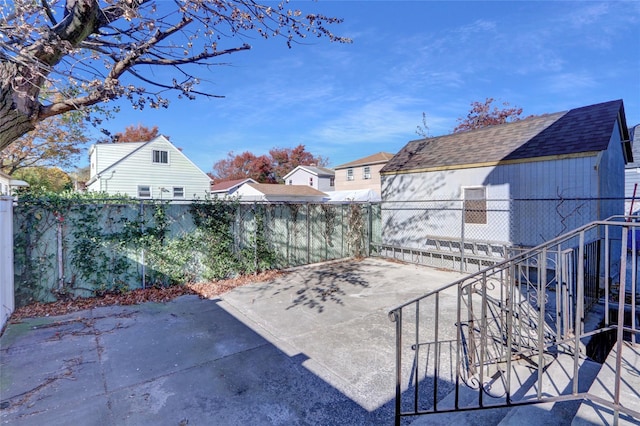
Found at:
(8, 184)
(316, 177)
(146, 170)
(518, 184)
(632, 173)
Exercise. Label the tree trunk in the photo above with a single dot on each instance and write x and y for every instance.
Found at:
(20, 83)
(16, 112)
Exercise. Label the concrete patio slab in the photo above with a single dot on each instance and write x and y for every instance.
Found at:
(314, 346)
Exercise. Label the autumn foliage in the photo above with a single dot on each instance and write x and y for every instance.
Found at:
(264, 168)
(486, 114)
(54, 142)
(138, 133)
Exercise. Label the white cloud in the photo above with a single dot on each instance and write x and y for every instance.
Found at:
(570, 82)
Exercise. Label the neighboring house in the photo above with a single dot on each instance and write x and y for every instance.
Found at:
(363, 173)
(229, 187)
(146, 170)
(632, 173)
(279, 193)
(8, 184)
(355, 196)
(316, 177)
(519, 183)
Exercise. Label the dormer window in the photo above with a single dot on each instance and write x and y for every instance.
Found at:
(160, 157)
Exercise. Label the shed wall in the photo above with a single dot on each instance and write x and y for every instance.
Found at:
(527, 203)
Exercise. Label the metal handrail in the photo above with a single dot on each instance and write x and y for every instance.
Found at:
(520, 325)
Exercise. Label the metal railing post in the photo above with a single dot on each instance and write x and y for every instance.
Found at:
(620, 330)
(417, 359)
(606, 275)
(398, 406)
(542, 289)
(579, 312)
(483, 337)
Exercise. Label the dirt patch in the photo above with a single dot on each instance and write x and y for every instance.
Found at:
(160, 295)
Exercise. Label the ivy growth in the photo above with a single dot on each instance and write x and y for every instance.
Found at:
(75, 245)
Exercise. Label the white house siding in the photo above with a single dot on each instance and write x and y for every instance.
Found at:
(419, 205)
(102, 156)
(5, 184)
(632, 175)
(301, 177)
(248, 193)
(139, 169)
(324, 184)
(631, 179)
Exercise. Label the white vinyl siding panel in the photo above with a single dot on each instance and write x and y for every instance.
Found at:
(107, 154)
(138, 169)
(509, 220)
(302, 177)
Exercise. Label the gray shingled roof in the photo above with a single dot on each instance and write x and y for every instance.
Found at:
(276, 189)
(229, 184)
(581, 130)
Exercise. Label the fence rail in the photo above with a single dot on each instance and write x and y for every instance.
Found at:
(471, 338)
(69, 249)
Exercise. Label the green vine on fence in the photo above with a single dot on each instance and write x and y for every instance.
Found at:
(76, 245)
(356, 230)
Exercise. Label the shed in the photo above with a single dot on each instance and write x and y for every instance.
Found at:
(516, 184)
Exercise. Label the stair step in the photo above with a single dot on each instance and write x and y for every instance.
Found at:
(603, 386)
(556, 380)
(523, 387)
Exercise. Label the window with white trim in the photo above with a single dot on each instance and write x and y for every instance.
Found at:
(366, 172)
(144, 191)
(178, 192)
(160, 157)
(475, 205)
(350, 173)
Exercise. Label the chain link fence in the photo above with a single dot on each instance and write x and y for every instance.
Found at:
(83, 248)
(470, 235)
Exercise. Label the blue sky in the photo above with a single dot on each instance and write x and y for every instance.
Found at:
(346, 101)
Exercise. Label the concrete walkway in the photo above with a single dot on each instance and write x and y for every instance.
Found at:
(312, 347)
